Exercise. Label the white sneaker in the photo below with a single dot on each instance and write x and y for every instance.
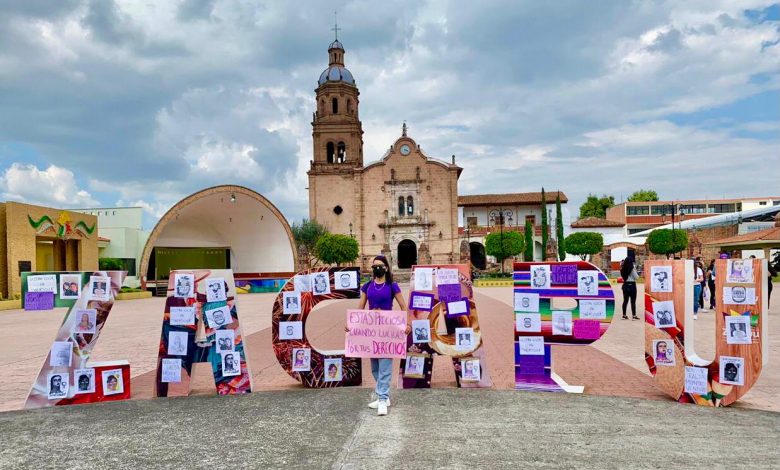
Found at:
(382, 408)
(703, 310)
(695, 317)
(375, 404)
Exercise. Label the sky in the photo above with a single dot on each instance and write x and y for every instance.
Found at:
(140, 103)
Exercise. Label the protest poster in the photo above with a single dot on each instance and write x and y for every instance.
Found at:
(376, 333)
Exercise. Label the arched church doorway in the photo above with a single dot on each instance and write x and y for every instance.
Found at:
(477, 255)
(407, 254)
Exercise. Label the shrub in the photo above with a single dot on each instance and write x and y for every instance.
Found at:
(502, 246)
(334, 248)
(665, 241)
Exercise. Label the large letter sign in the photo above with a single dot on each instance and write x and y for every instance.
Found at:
(564, 303)
(67, 376)
(445, 322)
(296, 355)
(200, 324)
(740, 330)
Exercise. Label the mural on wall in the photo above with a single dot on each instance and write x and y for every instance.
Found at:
(200, 324)
(740, 330)
(67, 376)
(563, 303)
(62, 228)
(445, 321)
(303, 362)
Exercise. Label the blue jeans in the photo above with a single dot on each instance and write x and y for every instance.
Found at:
(696, 295)
(382, 370)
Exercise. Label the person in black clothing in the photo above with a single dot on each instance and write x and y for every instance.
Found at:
(629, 275)
(772, 273)
(711, 283)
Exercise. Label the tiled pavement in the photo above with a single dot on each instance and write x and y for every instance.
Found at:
(612, 366)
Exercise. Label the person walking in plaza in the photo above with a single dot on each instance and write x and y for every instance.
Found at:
(379, 293)
(629, 275)
(698, 280)
(703, 292)
(711, 284)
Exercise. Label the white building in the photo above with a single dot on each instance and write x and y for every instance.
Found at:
(481, 214)
(122, 236)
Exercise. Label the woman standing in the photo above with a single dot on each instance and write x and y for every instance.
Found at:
(379, 294)
(711, 284)
(629, 275)
(698, 271)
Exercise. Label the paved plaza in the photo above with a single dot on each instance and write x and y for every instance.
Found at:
(622, 421)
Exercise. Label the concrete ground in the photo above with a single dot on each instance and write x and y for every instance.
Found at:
(437, 428)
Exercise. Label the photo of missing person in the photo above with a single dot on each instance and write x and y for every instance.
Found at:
(347, 280)
(290, 330)
(219, 317)
(663, 313)
(84, 380)
(231, 364)
(184, 285)
(415, 366)
(587, 283)
(301, 360)
(100, 288)
(423, 279)
(421, 330)
(292, 302)
(738, 330)
(464, 339)
(332, 370)
(58, 385)
(112, 382)
(739, 270)
(540, 276)
(732, 370)
(225, 341)
(177, 343)
(71, 286)
(661, 279)
(663, 352)
(87, 319)
(60, 354)
(320, 283)
(216, 290)
(561, 323)
(302, 283)
(470, 371)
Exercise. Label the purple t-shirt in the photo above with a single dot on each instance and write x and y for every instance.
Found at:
(380, 296)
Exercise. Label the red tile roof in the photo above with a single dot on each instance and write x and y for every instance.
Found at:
(509, 199)
(768, 235)
(592, 222)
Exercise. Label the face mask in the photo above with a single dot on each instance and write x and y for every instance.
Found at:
(378, 271)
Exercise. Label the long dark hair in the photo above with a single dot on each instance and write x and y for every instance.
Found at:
(627, 267)
(388, 273)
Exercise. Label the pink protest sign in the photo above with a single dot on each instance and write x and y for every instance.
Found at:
(587, 329)
(376, 333)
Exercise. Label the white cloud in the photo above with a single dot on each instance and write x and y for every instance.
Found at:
(54, 186)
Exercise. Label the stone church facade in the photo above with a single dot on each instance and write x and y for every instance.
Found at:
(404, 206)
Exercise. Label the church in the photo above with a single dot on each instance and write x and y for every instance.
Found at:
(404, 206)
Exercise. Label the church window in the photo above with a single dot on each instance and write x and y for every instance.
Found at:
(401, 206)
(341, 152)
(338, 210)
(410, 205)
(335, 105)
(322, 107)
(392, 174)
(418, 173)
(349, 106)
(331, 152)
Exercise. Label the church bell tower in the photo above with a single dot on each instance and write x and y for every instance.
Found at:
(337, 138)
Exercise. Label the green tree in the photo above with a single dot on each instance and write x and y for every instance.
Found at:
(559, 228)
(596, 206)
(306, 236)
(528, 254)
(504, 245)
(583, 244)
(665, 241)
(643, 195)
(545, 226)
(334, 248)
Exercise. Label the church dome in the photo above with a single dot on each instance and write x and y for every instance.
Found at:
(336, 45)
(336, 73)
